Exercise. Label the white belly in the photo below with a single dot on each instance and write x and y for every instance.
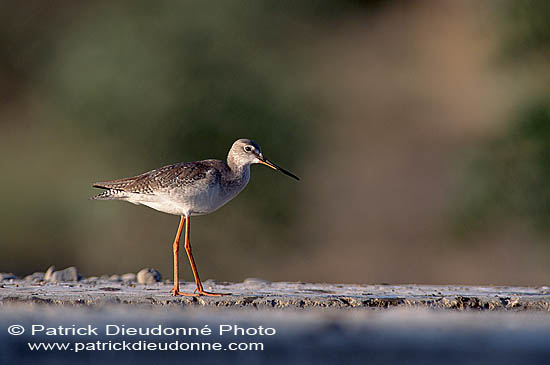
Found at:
(186, 202)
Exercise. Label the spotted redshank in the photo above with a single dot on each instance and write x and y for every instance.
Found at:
(190, 188)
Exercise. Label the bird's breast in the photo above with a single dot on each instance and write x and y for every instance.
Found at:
(208, 200)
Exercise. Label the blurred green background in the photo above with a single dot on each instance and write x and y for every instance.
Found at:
(421, 131)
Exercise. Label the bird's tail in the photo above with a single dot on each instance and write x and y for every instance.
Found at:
(110, 194)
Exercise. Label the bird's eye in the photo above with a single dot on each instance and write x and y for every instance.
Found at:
(248, 148)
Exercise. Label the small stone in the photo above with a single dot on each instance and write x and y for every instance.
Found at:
(68, 274)
(148, 276)
(37, 276)
(7, 276)
(90, 280)
(256, 282)
(49, 272)
(115, 277)
(129, 277)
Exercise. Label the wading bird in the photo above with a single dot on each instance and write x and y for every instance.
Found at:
(190, 188)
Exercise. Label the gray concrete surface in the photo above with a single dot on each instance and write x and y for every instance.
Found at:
(255, 293)
(312, 323)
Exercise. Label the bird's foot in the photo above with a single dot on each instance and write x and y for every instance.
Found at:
(196, 293)
(176, 292)
(208, 294)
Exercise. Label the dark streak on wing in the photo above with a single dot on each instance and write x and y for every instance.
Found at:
(176, 175)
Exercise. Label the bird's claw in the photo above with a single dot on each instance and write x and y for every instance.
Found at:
(197, 293)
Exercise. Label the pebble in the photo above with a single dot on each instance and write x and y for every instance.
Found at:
(256, 282)
(49, 272)
(37, 276)
(90, 280)
(129, 277)
(115, 277)
(68, 274)
(148, 276)
(7, 276)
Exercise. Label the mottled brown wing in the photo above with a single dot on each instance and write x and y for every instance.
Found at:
(175, 175)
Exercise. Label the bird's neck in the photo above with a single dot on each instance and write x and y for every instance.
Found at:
(238, 171)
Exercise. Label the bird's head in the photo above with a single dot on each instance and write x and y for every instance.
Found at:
(246, 152)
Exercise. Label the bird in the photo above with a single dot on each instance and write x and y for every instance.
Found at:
(190, 189)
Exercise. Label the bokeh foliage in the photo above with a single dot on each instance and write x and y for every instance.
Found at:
(525, 29)
(509, 175)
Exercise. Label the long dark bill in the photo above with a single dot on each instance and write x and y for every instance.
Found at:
(266, 162)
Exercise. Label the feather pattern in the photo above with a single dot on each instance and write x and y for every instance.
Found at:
(190, 188)
(182, 188)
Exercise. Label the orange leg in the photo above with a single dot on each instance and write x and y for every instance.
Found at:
(175, 289)
(176, 246)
